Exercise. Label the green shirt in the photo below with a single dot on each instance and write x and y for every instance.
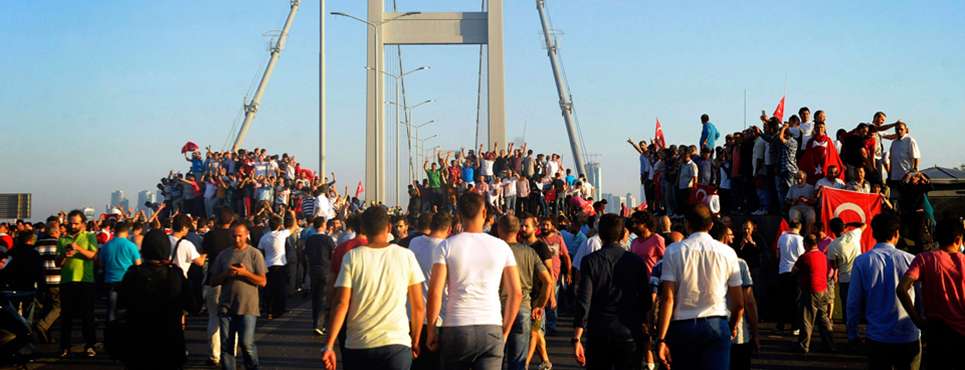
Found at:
(77, 269)
(435, 178)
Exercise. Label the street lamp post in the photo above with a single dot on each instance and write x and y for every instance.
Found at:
(398, 113)
(379, 119)
(417, 151)
(408, 117)
(421, 146)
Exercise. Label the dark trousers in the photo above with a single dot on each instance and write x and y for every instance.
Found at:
(683, 201)
(814, 312)
(700, 343)
(318, 296)
(51, 307)
(478, 347)
(276, 290)
(394, 357)
(740, 356)
(605, 353)
(427, 360)
(895, 356)
(944, 346)
(77, 299)
(843, 294)
(787, 301)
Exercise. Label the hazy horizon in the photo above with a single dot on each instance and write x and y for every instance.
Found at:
(100, 96)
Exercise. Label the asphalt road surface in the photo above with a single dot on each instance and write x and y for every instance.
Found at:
(288, 343)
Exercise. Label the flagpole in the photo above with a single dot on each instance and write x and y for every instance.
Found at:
(745, 109)
(785, 90)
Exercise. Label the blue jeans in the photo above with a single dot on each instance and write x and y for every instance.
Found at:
(700, 343)
(244, 327)
(551, 312)
(394, 357)
(518, 342)
(478, 347)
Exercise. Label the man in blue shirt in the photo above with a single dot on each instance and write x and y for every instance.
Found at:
(709, 135)
(117, 256)
(893, 338)
(570, 179)
(572, 235)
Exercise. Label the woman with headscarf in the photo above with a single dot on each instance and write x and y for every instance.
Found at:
(154, 295)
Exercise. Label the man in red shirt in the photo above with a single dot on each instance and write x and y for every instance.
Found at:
(812, 267)
(6, 241)
(648, 244)
(940, 273)
(562, 267)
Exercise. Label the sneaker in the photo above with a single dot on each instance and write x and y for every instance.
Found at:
(319, 332)
(796, 332)
(65, 354)
(90, 352)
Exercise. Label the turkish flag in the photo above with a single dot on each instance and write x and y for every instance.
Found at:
(702, 193)
(850, 206)
(189, 147)
(780, 231)
(658, 138)
(809, 162)
(359, 189)
(779, 111)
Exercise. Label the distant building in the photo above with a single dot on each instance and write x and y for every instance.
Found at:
(118, 200)
(613, 202)
(631, 200)
(89, 213)
(145, 196)
(594, 174)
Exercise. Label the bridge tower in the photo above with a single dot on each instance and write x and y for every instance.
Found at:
(427, 28)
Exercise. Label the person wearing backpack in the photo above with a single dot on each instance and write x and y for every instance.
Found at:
(153, 294)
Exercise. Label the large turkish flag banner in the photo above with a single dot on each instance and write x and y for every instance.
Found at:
(851, 206)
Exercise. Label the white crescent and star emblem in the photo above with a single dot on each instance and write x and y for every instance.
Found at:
(851, 207)
(701, 195)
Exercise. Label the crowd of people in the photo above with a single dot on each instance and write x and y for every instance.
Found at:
(496, 244)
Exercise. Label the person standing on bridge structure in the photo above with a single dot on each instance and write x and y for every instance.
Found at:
(893, 339)
(700, 286)
(424, 247)
(239, 272)
(709, 134)
(940, 274)
(78, 249)
(473, 265)
(370, 301)
(531, 270)
(613, 298)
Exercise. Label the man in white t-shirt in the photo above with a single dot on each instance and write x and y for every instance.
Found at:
(686, 183)
(807, 126)
(841, 255)
(472, 266)
(183, 251)
(424, 247)
(273, 244)
(790, 246)
(371, 291)
(905, 155)
(700, 288)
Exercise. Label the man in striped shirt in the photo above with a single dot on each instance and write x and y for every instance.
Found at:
(47, 247)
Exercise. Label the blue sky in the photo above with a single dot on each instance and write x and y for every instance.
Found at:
(99, 96)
